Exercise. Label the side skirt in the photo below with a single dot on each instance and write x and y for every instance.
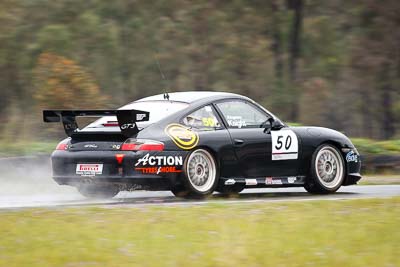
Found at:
(283, 181)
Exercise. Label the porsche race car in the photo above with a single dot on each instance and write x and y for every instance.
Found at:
(195, 143)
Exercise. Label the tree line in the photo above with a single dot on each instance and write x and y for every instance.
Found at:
(331, 63)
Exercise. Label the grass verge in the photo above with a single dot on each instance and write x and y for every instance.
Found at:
(380, 180)
(11, 149)
(326, 233)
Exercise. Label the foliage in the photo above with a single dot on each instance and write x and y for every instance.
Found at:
(373, 147)
(341, 69)
(62, 84)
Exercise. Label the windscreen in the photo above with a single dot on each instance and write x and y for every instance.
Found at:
(158, 111)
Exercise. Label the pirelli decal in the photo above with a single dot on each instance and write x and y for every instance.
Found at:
(182, 136)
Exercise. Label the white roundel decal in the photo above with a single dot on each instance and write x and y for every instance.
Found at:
(284, 145)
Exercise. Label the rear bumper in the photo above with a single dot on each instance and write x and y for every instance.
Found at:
(159, 171)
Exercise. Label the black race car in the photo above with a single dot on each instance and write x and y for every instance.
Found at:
(195, 143)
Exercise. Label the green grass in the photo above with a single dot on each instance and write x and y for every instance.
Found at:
(10, 149)
(294, 124)
(327, 233)
(380, 180)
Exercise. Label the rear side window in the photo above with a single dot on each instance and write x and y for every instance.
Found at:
(203, 119)
(239, 114)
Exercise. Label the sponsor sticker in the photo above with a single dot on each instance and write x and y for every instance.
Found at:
(230, 182)
(270, 180)
(158, 164)
(251, 181)
(291, 179)
(158, 170)
(140, 116)
(351, 157)
(89, 169)
(160, 160)
(285, 145)
(235, 121)
(182, 136)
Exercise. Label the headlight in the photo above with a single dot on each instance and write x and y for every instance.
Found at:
(347, 150)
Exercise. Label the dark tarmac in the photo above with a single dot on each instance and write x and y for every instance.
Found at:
(66, 196)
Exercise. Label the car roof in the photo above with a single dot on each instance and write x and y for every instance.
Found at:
(189, 96)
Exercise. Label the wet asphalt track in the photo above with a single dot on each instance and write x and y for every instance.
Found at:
(68, 197)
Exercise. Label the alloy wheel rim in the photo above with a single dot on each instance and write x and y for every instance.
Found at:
(201, 170)
(329, 167)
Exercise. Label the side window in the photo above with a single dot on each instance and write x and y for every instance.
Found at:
(203, 119)
(239, 114)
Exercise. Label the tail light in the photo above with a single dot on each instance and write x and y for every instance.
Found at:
(142, 144)
(63, 145)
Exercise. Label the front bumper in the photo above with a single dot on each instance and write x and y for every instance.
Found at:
(150, 170)
(353, 167)
(352, 178)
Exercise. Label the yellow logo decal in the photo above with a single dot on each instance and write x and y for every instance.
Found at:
(182, 136)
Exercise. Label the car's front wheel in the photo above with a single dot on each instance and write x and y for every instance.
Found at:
(200, 175)
(97, 191)
(327, 170)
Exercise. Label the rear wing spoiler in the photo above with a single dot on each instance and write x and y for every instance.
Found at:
(126, 119)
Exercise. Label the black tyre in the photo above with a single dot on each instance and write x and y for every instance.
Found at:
(230, 189)
(97, 191)
(200, 176)
(180, 191)
(327, 170)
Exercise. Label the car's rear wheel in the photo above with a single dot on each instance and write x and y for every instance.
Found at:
(327, 170)
(231, 189)
(180, 191)
(98, 191)
(200, 175)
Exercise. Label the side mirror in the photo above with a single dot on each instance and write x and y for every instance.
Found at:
(277, 125)
(272, 125)
(269, 126)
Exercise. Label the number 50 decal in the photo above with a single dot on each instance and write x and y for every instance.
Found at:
(284, 145)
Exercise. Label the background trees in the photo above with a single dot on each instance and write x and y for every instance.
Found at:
(62, 84)
(327, 63)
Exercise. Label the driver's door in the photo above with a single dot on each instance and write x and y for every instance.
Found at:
(259, 153)
(252, 146)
